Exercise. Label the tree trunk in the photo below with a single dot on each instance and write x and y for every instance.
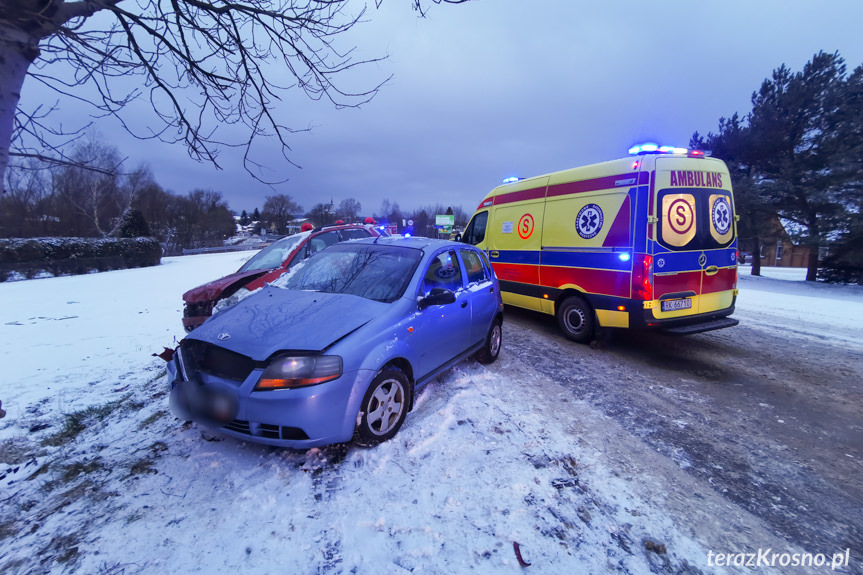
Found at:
(812, 265)
(756, 256)
(17, 51)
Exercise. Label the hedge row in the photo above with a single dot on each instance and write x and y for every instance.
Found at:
(60, 256)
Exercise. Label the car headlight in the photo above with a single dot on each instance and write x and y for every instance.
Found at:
(289, 371)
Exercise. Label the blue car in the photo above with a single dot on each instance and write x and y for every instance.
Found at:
(336, 349)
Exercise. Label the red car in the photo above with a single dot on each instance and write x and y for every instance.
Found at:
(267, 265)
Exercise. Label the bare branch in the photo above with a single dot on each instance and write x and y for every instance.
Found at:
(205, 66)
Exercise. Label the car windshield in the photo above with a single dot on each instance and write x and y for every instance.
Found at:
(273, 255)
(371, 271)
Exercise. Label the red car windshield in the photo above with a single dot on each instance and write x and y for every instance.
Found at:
(273, 255)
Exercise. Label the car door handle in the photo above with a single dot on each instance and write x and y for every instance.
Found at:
(464, 303)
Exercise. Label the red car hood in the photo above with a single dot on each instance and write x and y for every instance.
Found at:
(216, 288)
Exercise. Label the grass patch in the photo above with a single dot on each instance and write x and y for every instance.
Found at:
(142, 466)
(78, 421)
(152, 419)
(16, 451)
(8, 529)
(72, 471)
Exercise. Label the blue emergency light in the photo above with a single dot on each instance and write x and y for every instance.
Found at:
(651, 148)
(511, 180)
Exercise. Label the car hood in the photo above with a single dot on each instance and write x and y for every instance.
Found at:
(277, 319)
(214, 290)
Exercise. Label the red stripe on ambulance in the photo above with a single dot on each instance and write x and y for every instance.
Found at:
(618, 233)
(531, 194)
(720, 281)
(523, 273)
(604, 183)
(677, 283)
(603, 282)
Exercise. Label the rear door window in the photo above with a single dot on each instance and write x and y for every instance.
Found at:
(695, 219)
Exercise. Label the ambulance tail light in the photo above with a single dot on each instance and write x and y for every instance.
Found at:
(642, 277)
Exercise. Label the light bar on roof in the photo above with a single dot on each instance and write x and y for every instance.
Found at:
(651, 148)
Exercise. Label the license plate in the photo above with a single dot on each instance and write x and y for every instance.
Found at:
(676, 304)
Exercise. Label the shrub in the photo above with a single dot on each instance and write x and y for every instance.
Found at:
(75, 255)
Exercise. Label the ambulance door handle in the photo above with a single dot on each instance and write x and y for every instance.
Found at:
(494, 254)
(712, 270)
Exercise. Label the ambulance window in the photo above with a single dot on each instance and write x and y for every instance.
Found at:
(475, 231)
(695, 219)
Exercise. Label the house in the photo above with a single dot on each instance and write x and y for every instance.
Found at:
(777, 248)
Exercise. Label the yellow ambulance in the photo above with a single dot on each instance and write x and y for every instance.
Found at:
(646, 242)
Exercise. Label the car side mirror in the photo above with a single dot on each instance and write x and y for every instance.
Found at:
(437, 296)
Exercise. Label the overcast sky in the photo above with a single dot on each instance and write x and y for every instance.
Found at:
(497, 88)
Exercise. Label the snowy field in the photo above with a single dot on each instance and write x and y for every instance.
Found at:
(98, 477)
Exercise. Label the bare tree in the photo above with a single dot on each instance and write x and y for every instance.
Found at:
(279, 210)
(202, 65)
(349, 210)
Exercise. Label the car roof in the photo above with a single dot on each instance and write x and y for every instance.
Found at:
(341, 227)
(425, 244)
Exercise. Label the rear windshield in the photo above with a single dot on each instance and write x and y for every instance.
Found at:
(273, 255)
(372, 271)
(695, 218)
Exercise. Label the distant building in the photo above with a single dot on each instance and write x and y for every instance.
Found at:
(777, 249)
(295, 225)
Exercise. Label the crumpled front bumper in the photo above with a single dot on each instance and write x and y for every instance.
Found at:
(299, 418)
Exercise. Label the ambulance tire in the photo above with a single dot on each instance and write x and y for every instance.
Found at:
(576, 320)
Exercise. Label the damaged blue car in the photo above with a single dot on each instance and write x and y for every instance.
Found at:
(336, 350)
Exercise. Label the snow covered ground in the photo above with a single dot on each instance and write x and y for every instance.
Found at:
(98, 477)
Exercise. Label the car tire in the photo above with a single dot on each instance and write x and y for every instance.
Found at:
(384, 407)
(576, 319)
(491, 348)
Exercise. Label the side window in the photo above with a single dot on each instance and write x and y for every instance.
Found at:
(443, 272)
(475, 231)
(322, 241)
(354, 234)
(489, 270)
(473, 267)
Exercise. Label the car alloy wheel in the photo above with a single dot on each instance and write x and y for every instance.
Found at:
(493, 340)
(384, 407)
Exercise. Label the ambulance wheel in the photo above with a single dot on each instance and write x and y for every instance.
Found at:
(575, 318)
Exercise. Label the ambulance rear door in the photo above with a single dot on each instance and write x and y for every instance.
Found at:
(695, 264)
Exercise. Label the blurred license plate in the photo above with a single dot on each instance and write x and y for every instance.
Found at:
(676, 304)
